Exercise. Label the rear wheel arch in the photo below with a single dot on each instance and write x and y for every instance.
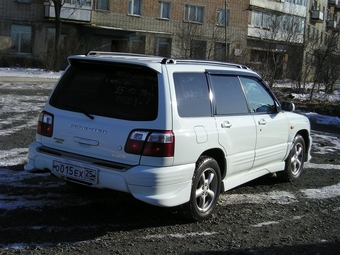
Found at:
(205, 190)
(219, 156)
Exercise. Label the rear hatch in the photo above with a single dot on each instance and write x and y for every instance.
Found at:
(97, 105)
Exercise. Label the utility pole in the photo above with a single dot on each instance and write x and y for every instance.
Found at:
(225, 29)
(57, 8)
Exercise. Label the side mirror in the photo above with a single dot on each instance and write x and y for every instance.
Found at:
(288, 106)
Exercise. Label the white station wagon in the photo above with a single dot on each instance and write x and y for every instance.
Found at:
(169, 131)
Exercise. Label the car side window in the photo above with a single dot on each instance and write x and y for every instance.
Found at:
(228, 95)
(192, 95)
(259, 100)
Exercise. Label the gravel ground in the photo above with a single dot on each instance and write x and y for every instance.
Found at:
(265, 216)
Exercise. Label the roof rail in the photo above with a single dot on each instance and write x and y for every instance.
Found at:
(207, 62)
(108, 53)
(167, 61)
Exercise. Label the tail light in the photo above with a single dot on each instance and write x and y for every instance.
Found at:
(45, 124)
(151, 143)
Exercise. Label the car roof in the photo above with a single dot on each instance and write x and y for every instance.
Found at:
(155, 62)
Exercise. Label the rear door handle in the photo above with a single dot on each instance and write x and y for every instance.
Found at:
(226, 124)
(262, 122)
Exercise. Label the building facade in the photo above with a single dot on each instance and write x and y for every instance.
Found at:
(21, 28)
(322, 42)
(244, 31)
(197, 29)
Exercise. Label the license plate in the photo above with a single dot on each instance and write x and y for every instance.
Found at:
(75, 172)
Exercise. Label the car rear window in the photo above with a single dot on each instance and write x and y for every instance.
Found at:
(119, 91)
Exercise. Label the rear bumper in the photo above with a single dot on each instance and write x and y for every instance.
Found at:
(161, 186)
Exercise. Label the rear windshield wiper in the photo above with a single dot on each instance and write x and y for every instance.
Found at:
(78, 110)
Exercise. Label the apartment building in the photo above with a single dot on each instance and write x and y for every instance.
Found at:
(204, 29)
(321, 29)
(21, 24)
(323, 19)
(26, 36)
(196, 29)
(276, 35)
(228, 30)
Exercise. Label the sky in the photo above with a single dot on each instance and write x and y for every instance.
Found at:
(19, 104)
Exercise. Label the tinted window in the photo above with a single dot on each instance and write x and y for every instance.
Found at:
(118, 91)
(192, 95)
(228, 95)
(259, 99)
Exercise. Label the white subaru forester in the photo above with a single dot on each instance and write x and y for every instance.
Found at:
(169, 131)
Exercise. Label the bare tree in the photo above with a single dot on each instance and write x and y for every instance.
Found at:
(187, 32)
(58, 4)
(282, 37)
(195, 40)
(56, 51)
(326, 64)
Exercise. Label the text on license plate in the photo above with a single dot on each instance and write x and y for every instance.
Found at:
(76, 172)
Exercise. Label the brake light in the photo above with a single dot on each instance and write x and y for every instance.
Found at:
(45, 124)
(149, 143)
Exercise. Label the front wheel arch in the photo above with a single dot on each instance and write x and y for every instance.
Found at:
(295, 160)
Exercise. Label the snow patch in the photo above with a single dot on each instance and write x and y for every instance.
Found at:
(266, 224)
(275, 197)
(180, 235)
(322, 193)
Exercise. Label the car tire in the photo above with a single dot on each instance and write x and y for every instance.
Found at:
(294, 162)
(205, 190)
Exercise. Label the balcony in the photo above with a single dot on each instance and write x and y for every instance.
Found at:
(69, 12)
(317, 15)
(331, 24)
(281, 6)
(333, 2)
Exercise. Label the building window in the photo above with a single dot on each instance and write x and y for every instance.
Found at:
(80, 2)
(137, 44)
(164, 10)
(23, 1)
(312, 33)
(198, 49)
(326, 39)
(102, 5)
(135, 7)
(299, 25)
(292, 24)
(21, 37)
(163, 47)
(298, 2)
(51, 38)
(220, 52)
(223, 17)
(194, 13)
(262, 20)
(301, 2)
(316, 6)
